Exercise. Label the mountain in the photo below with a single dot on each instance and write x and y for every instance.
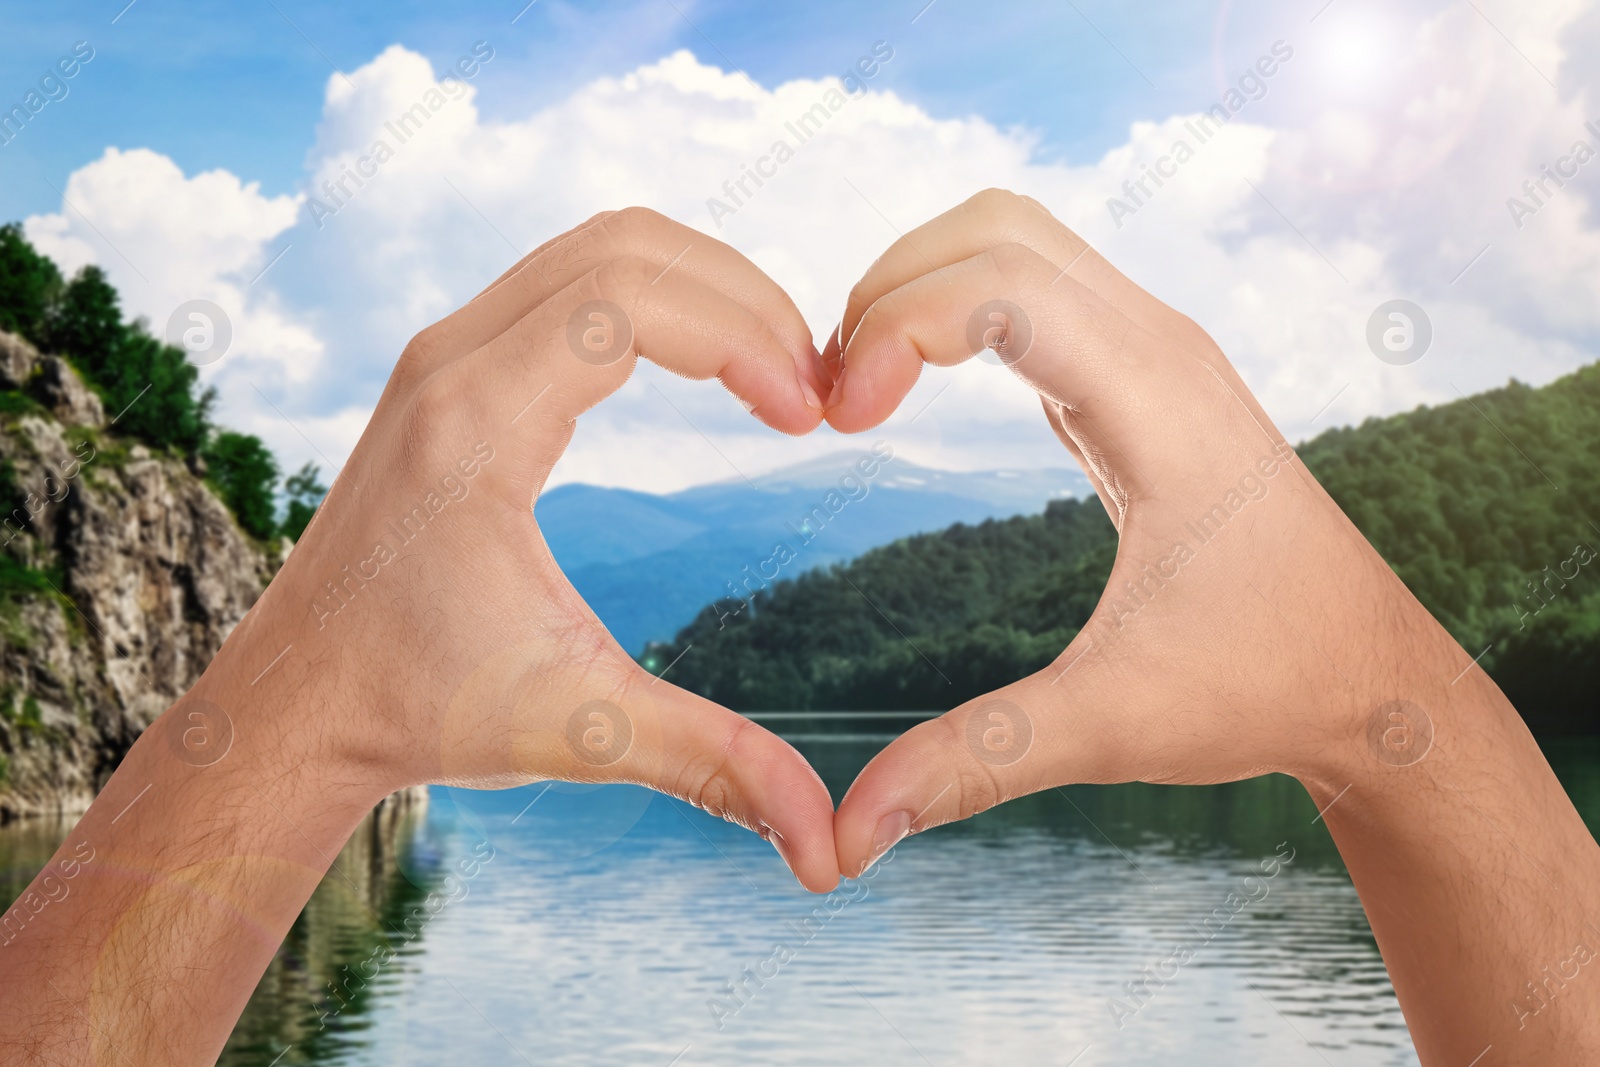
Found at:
(646, 563)
(121, 573)
(1483, 507)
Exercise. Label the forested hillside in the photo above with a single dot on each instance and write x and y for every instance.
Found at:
(147, 387)
(137, 533)
(1473, 503)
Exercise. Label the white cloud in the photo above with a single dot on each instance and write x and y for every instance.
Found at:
(166, 239)
(1381, 173)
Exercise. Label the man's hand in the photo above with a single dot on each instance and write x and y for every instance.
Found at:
(423, 586)
(1247, 627)
(419, 632)
(1243, 612)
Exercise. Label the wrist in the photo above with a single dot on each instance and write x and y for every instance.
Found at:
(285, 711)
(1412, 698)
(1397, 684)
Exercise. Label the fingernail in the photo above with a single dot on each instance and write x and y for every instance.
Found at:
(822, 373)
(892, 829)
(813, 401)
(831, 350)
(832, 359)
(836, 394)
(775, 839)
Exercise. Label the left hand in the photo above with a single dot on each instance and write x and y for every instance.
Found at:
(433, 636)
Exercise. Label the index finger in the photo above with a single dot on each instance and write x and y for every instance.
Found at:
(632, 232)
(991, 218)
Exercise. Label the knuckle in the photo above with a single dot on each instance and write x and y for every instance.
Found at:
(621, 277)
(573, 253)
(974, 783)
(631, 222)
(423, 350)
(976, 790)
(712, 793)
(858, 302)
(877, 319)
(429, 411)
(1020, 213)
(708, 781)
(755, 333)
(1015, 263)
(995, 201)
(880, 315)
(1035, 205)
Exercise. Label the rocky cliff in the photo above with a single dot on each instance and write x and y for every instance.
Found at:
(120, 574)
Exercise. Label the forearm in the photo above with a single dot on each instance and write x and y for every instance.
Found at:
(1480, 879)
(142, 939)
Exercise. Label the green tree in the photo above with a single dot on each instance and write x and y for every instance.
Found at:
(245, 475)
(85, 324)
(148, 386)
(150, 390)
(925, 622)
(29, 285)
(304, 492)
(153, 393)
(1483, 507)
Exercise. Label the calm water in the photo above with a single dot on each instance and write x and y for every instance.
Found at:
(609, 923)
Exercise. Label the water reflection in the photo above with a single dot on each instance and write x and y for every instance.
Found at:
(574, 925)
(316, 1000)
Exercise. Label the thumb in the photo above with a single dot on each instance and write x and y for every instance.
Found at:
(728, 767)
(513, 722)
(1048, 729)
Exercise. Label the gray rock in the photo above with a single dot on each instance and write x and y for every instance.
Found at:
(17, 360)
(151, 573)
(59, 388)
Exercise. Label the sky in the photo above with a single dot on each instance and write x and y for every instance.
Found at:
(1382, 159)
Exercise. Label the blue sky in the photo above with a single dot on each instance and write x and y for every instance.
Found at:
(236, 85)
(1376, 165)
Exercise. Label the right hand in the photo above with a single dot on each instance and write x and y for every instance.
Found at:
(1247, 626)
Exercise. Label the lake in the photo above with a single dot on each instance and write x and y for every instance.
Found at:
(615, 926)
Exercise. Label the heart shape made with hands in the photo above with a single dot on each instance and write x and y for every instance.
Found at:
(1192, 668)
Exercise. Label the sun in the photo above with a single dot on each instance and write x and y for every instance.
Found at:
(1355, 49)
